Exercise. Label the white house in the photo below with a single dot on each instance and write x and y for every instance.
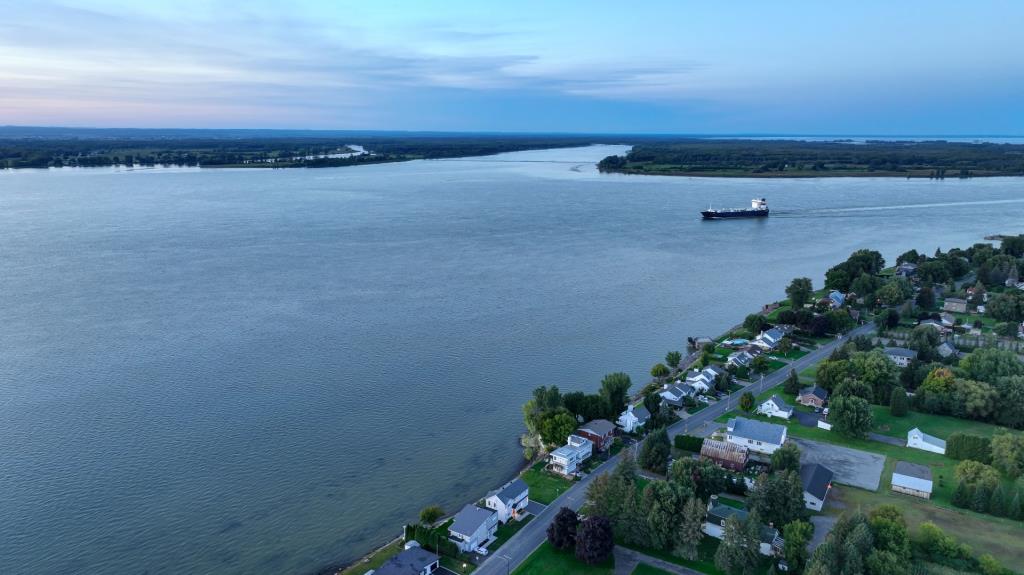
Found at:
(413, 560)
(817, 481)
(675, 394)
(775, 406)
(635, 417)
(769, 339)
(771, 542)
(704, 379)
(757, 436)
(921, 440)
(473, 528)
(901, 356)
(510, 501)
(740, 359)
(567, 459)
(912, 479)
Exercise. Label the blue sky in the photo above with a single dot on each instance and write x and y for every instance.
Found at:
(791, 67)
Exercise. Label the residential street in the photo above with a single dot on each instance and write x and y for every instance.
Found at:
(519, 547)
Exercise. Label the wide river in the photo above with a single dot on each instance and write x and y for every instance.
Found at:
(269, 371)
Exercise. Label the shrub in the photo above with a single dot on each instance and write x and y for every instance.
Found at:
(961, 445)
(688, 443)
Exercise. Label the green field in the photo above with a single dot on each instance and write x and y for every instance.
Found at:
(547, 560)
(705, 562)
(938, 425)
(544, 486)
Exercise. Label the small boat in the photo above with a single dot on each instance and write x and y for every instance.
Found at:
(758, 209)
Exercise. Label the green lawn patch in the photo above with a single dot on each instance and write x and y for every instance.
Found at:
(700, 406)
(457, 565)
(544, 486)
(941, 426)
(506, 531)
(705, 562)
(645, 569)
(547, 560)
(730, 502)
(793, 354)
(774, 315)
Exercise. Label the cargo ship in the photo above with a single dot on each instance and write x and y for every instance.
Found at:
(758, 209)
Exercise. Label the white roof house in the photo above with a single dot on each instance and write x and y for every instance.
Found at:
(757, 436)
(567, 459)
(901, 356)
(769, 339)
(775, 406)
(921, 440)
(473, 528)
(912, 479)
(510, 500)
(704, 379)
(740, 358)
(674, 394)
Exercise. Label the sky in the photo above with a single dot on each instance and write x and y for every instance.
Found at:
(789, 67)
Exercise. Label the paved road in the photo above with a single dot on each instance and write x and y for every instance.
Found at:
(519, 547)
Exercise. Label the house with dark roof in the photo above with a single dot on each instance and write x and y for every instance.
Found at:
(413, 560)
(510, 501)
(634, 418)
(599, 431)
(901, 356)
(813, 396)
(769, 339)
(912, 479)
(740, 358)
(676, 394)
(947, 350)
(817, 481)
(756, 436)
(771, 542)
(775, 406)
(473, 528)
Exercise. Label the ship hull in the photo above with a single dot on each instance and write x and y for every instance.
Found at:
(722, 215)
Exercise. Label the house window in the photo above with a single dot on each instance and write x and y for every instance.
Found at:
(759, 443)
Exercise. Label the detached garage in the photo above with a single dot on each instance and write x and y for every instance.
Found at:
(912, 479)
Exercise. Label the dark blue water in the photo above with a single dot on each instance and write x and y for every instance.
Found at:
(231, 371)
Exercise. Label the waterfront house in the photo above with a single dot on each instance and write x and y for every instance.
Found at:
(921, 440)
(771, 542)
(770, 339)
(599, 431)
(676, 394)
(634, 418)
(725, 454)
(954, 304)
(413, 560)
(510, 501)
(566, 460)
(906, 269)
(757, 436)
(813, 396)
(817, 482)
(912, 479)
(901, 356)
(775, 406)
(836, 299)
(473, 528)
(740, 359)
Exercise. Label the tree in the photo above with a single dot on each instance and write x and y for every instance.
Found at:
(889, 529)
(632, 522)
(759, 364)
(982, 497)
(738, 554)
(1013, 511)
(989, 364)
(1006, 306)
(755, 323)
(961, 445)
(1010, 410)
(1008, 454)
(899, 403)
(963, 495)
(778, 497)
(926, 298)
(655, 451)
(690, 535)
(851, 416)
(659, 370)
(786, 458)
(663, 504)
(924, 339)
(854, 388)
(673, 358)
(997, 503)
(797, 535)
(887, 319)
(556, 426)
(626, 469)
(893, 293)
(594, 540)
(605, 495)
(562, 530)
(701, 477)
(792, 384)
(876, 370)
(976, 474)
(430, 515)
(614, 388)
(799, 292)
(747, 401)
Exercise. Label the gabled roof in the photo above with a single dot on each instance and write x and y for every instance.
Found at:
(470, 519)
(946, 349)
(599, 427)
(815, 390)
(955, 300)
(780, 404)
(512, 490)
(774, 334)
(717, 514)
(816, 479)
(757, 430)
(641, 413)
(913, 470)
(900, 352)
(930, 439)
(410, 561)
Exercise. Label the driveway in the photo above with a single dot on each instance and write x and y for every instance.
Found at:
(535, 508)
(806, 419)
(887, 439)
(851, 466)
(823, 525)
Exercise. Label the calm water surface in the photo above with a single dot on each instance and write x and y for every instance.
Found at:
(241, 371)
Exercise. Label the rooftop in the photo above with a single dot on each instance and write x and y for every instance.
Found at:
(600, 427)
(900, 352)
(512, 490)
(470, 519)
(411, 561)
(816, 479)
(816, 391)
(757, 430)
(913, 470)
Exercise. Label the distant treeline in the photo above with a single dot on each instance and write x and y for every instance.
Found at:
(256, 151)
(792, 158)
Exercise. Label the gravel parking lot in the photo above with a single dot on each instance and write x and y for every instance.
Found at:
(851, 466)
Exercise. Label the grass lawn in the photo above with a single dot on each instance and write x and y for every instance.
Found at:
(506, 531)
(705, 562)
(544, 486)
(457, 565)
(792, 354)
(547, 560)
(941, 426)
(774, 315)
(645, 569)
(730, 502)
(376, 560)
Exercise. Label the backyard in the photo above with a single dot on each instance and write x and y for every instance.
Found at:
(545, 487)
(547, 560)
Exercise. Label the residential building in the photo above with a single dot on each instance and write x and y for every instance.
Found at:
(817, 482)
(947, 350)
(473, 528)
(413, 560)
(510, 501)
(901, 356)
(836, 299)
(740, 359)
(704, 379)
(566, 459)
(675, 394)
(725, 454)
(813, 396)
(955, 304)
(599, 431)
(921, 440)
(769, 339)
(775, 406)
(935, 324)
(948, 320)
(906, 269)
(714, 525)
(912, 479)
(634, 418)
(757, 436)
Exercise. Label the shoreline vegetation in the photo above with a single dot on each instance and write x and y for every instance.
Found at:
(728, 158)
